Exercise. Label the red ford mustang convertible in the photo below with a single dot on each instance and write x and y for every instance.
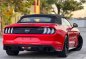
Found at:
(48, 33)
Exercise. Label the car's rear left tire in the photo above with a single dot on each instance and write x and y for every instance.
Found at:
(12, 52)
(64, 53)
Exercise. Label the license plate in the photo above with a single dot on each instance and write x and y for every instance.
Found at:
(31, 39)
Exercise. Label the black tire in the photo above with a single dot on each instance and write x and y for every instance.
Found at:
(80, 44)
(12, 52)
(65, 51)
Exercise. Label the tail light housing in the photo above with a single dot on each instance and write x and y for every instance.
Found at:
(46, 30)
(49, 31)
(8, 30)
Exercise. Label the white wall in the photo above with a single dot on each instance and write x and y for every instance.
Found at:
(81, 23)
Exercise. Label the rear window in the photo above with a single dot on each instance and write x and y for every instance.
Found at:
(36, 20)
(40, 19)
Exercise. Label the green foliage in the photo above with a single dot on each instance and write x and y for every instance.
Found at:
(8, 7)
(46, 6)
(83, 1)
(64, 7)
(21, 5)
(18, 5)
(67, 6)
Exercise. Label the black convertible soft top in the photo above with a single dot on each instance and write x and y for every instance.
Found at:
(55, 18)
(43, 15)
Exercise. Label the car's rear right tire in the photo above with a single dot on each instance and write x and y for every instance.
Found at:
(80, 44)
(12, 52)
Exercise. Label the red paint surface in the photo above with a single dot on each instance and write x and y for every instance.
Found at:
(55, 40)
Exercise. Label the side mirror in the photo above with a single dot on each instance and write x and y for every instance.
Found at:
(75, 25)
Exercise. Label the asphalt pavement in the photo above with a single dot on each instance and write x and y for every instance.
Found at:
(37, 55)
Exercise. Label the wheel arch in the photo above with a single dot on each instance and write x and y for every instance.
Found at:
(66, 35)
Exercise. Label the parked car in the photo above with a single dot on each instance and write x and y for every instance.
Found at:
(48, 33)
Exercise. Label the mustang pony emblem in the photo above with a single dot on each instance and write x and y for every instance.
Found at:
(27, 30)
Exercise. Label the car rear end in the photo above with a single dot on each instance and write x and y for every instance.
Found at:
(33, 37)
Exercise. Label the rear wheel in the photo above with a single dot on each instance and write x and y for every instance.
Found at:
(80, 44)
(12, 52)
(64, 53)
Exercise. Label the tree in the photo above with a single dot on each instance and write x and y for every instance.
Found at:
(64, 7)
(83, 1)
(8, 7)
(17, 5)
(67, 6)
(46, 6)
(21, 6)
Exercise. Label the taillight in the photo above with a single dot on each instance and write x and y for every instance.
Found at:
(49, 31)
(8, 30)
(44, 30)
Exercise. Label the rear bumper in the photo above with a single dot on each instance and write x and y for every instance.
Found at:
(20, 47)
(55, 41)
